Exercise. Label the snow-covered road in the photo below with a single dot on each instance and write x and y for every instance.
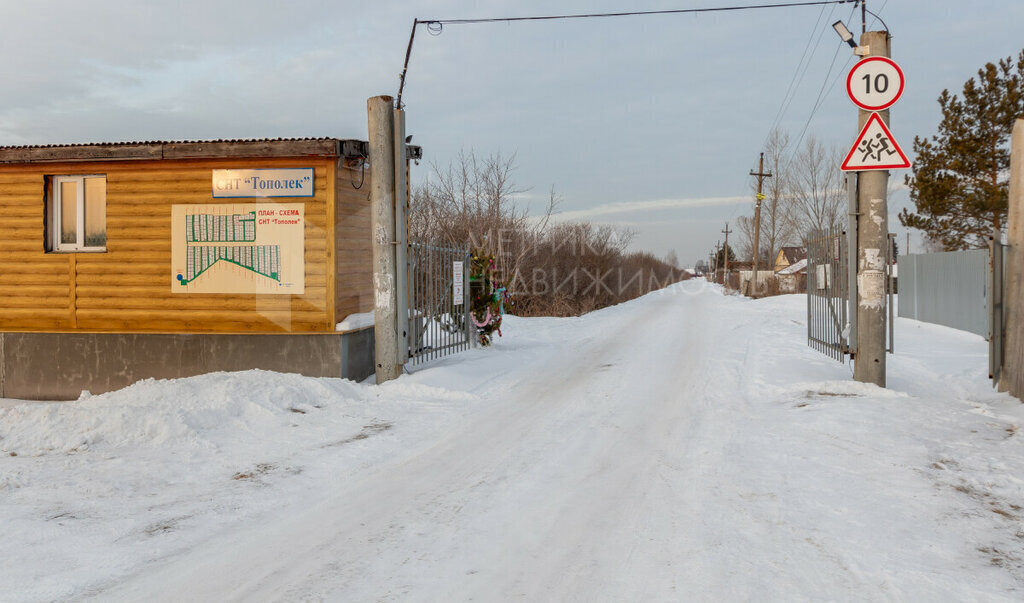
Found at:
(683, 446)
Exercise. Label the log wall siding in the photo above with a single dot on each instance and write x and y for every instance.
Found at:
(128, 288)
(354, 258)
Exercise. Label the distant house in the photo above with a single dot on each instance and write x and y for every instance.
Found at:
(788, 256)
(793, 278)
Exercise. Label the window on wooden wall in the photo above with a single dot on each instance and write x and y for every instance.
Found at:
(78, 213)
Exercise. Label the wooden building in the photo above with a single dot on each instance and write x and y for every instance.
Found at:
(121, 261)
(788, 256)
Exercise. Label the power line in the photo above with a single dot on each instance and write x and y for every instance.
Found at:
(821, 96)
(435, 26)
(784, 105)
(822, 93)
(821, 34)
(631, 13)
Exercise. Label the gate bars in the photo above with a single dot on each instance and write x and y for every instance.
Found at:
(827, 292)
(832, 297)
(439, 323)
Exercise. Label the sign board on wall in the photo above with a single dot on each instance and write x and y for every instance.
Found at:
(288, 182)
(238, 248)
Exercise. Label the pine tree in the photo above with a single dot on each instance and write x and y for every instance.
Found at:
(721, 256)
(959, 182)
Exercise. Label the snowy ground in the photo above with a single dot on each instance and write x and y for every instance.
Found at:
(683, 446)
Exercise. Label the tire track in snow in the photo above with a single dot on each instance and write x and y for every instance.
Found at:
(548, 493)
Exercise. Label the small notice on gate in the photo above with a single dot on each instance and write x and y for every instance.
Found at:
(458, 292)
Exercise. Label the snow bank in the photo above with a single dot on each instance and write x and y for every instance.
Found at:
(210, 411)
(355, 321)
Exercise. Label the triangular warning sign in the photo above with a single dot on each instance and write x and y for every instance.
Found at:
(875, 149)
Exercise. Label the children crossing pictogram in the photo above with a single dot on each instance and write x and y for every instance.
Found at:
(875, 149)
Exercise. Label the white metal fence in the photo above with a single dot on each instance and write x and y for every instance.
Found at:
(948, 288)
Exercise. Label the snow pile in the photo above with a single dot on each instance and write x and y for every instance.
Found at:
(355, 321)
(208, 411)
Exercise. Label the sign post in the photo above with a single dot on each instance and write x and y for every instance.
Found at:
(874, 84)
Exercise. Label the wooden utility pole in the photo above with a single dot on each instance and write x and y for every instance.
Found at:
(761, 175)
(714, 264)
(872, 237)
(380, 115)
(725, 256)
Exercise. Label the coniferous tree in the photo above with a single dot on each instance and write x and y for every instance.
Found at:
(959, 181)
(721, 255)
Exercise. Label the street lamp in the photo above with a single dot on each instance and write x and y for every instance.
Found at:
(844, 33)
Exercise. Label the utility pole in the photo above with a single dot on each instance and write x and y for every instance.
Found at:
(725, 256)
(872, 237)
(761, 175)
(380, 115)
(718, 245)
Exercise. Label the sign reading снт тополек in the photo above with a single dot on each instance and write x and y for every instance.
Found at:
(285, 182)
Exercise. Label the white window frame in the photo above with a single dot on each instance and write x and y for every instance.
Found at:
(79, 244)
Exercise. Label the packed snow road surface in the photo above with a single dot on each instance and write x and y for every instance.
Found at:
(683, 446)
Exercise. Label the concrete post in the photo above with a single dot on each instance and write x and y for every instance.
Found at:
(382, 222)
(873, 236)
(1012, 375)
(401, 237)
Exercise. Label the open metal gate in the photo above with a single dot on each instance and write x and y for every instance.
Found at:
(832, 293)
(439, 319)
(828, 325)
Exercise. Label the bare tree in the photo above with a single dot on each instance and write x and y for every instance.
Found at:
(814, 185)
(745, 236)
(672, 259)
(551, 269)
(474, 201)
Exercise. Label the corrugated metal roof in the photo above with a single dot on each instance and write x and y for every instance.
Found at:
(142, 142)
(184, 149)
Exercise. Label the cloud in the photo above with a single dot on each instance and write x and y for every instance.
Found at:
(625, 207)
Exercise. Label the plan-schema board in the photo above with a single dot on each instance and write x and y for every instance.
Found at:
(238, 248)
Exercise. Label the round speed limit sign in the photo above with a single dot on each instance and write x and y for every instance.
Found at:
(875, 83)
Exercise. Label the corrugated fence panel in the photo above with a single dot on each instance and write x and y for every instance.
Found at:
(947, 288)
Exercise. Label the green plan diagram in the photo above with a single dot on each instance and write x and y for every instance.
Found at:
(208, 228)
(238, 248)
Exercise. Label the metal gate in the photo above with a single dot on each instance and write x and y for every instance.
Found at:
(439, 319)
(827, 293)
(832, 294)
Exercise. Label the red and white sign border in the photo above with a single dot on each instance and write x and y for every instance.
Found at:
(904, 164)
(899, 93)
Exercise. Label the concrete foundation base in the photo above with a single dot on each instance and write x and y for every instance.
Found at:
(58, 366)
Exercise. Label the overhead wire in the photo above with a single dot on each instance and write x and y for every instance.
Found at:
(710, 9)
(822, 94)
(436, 26)
(786, 98)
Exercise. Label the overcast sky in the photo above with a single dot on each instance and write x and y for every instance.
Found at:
(652, 122)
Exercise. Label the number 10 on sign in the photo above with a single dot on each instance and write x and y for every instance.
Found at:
(875, 83)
